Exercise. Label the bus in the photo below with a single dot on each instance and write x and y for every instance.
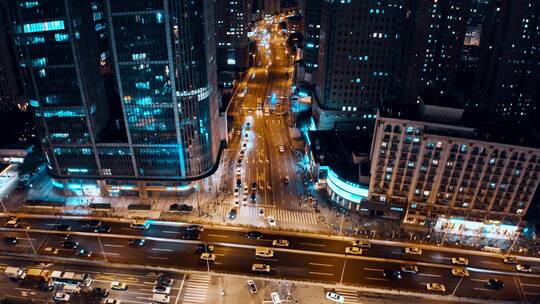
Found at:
(68, 277)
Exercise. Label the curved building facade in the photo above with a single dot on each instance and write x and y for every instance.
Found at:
(144, 69)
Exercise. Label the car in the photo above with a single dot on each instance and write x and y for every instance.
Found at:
(245, 187)
(510, 260)
(251, 286)
(204, 248)
(271, 221)
(238, 183)
(261, 212)
(46, 286)
(92, 223)
(118, 285)
(185, 208)
(195, 228)
(246, 135)
(260, 268)
(353, 251)
(69, 244)
(334, 297)
(83, 253)
(281, 149)
(239, 163)
(361, 243)
(161, 289)
(62, 227)
(209, 257)
(238, 171)
(460, 261)
(103, 229)
(50, 250)
(391, 274)
(409, 268)
(274, 296)
(232, 214)
(61, 297)
(460, 272)
(244, 146)
(523, 268)
(494, 284)
(242, 153)
(137, 242)
(165, 281)
(435, 287)
(244, 200)
(236, 192)
(102, 292)
(254, 186)
(286, 180)
(112, 301)
(10, 240)
(413, 250)
(253, 197)
(190, 236)
(254, 235)
(280, 243)
(12, 222)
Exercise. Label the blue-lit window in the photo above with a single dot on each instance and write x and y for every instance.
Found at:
(99, 27)
(138, 56)
(51, 99)
(29, 4)
(159, 17)
(34, 103)
(42, 73)
(64, 113)
(60, 135)
(35, 40)
(86, 151)
(39, 62)
(98, 16)
(61, 37)
(44, 26)
(142, 85)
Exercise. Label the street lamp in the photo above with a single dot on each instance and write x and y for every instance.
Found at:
(29, 240)
(343, 270)
(101, 246)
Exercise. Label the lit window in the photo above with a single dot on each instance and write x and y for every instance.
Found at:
(43, 26)
(61, 37)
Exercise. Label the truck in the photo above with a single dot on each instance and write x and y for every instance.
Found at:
(41, 277)
(15, 273)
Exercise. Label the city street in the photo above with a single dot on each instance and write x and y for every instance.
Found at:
(318, 259)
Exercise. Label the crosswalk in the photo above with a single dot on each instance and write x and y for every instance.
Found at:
(351, 296)
(280, 215)
(196, 289)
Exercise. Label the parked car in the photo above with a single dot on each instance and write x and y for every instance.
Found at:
(251, 286)
(334, 297)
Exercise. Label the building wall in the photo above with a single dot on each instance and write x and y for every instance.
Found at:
(10, 84)
(434, 175)
(312, 24)
(232, 25)
(359, 44)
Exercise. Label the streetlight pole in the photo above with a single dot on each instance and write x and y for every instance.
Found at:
(343, 270)
(457, 286)
(3, 206)
(29, 240)
(198, 203)
(101, 246)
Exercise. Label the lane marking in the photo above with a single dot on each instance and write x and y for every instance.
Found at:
(477, 280)
(162, 249)
(311, 244)
(267, 259)
(430, 275)
(109, 253)
(157, 258)
(218, 235)
(169, 231)
(483, 289)
(372, 269)
(375, 279)
(321, 273)
(531, 293)
(112, 245)
(533, 285)
(488, 262)
(319, 264)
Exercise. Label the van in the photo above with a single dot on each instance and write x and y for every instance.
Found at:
(264, 252)
(140, 224)
(260, 268)
(160, 298)
(71, 288)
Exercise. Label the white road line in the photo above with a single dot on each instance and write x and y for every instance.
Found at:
(478, 280)
(372, 269)
(311, 244)
(110, 253)
(267, 259)
(162, 249)
(488, 262)
(319, 264)
(375, 279)
(169, 231)
(23, 289)
(527, 284)
(321, 273)
(112, 245)
(218, 235)
(430, 275)
(531, 293)
(396, 252)
(483, 289)
(157, 258)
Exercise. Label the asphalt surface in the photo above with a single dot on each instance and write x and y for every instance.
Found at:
(306, 258)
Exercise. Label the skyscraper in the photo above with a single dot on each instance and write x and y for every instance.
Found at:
(162, 57)
(312, 26)
(232, 40)
(359, 46)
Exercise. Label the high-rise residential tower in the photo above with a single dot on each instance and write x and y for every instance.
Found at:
(232, 25)
(163, 85)
(359, 46)
(312, 25)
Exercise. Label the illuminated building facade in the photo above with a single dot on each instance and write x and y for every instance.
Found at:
(312, 25)
(452, 170)
(232, 25)
(162, 58)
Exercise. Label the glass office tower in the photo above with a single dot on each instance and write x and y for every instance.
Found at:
(163, 85)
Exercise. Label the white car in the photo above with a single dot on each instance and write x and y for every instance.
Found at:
(435, 287)
(361, 243)
(260, 268)
(117, 285)
(460, 261)
(112, 301)
(271, 221)
(281, 149)
(280, 243)
(413, 250)
(275, 298)
(252, 287)
(161, 289)
(353, 250)
(61, 297)
(334, 297)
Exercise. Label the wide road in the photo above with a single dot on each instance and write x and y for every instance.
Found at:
(320, 259)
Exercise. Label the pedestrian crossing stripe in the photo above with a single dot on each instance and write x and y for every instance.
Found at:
(290, 216)
(196, 289)
(351, 296)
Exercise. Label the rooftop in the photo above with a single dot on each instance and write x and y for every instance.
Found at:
(453, 122)
(336, 150)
